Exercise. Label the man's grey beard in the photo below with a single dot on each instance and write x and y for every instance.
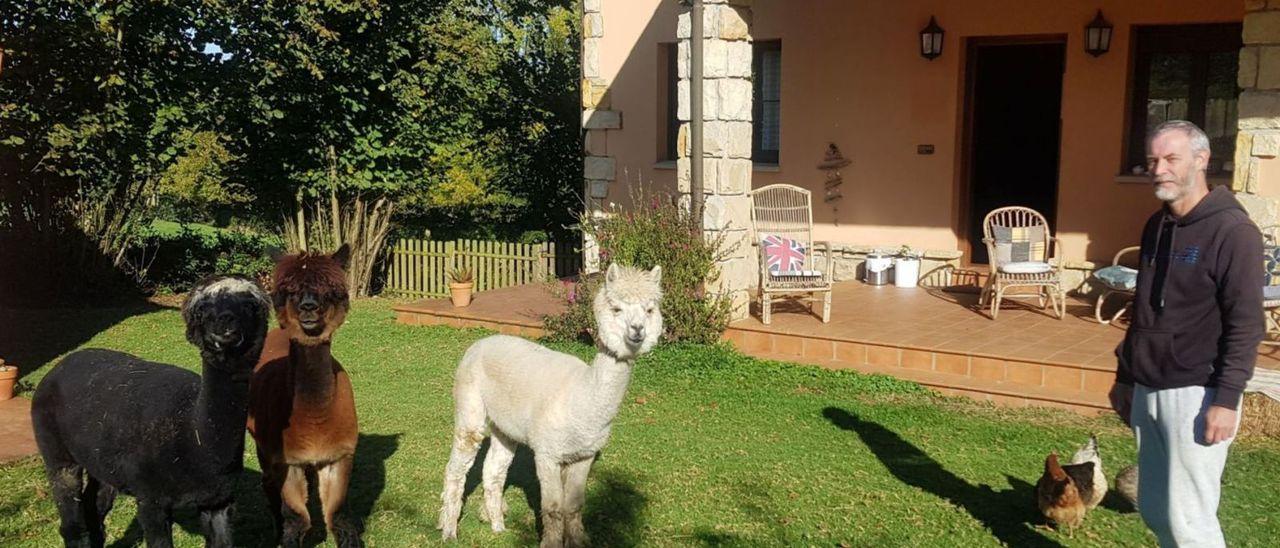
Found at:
(1171, 195)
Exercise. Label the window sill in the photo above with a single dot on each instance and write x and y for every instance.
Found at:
(1133, 179)
(770, 168)
(1215, 180)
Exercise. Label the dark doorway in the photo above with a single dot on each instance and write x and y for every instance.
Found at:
(1014, 107)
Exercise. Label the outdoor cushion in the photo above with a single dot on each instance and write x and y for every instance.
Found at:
(1271, 264)
(1026, 267)
(798, 273)
(1271, 292)
(1018, 244)
(783, 254)
(1118, 277)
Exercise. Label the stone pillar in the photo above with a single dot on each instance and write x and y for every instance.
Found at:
(1258, 141)
(599, 170)
(726, 136)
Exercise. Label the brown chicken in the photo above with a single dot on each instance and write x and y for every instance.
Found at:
(1065, 493)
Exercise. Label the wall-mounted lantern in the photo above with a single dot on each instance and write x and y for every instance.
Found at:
(1097, 36)
(931, 40)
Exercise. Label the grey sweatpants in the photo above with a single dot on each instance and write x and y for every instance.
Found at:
(1179, 477)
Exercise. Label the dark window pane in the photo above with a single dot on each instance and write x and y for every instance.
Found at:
(1186, 72)
(767, 110)
(1220, 108)
(672, 122)
(1170, 90)
(769, 126)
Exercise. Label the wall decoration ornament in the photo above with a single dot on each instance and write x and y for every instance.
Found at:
(831, 163)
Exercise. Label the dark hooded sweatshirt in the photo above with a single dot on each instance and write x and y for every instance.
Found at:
(1197, 314)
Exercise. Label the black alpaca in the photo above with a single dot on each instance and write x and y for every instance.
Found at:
(109, 422)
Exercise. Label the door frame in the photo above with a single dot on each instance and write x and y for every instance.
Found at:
(964, 184)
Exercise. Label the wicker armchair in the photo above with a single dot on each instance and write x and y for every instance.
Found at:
(1020, 246)
(786, 211)
(1110, 288)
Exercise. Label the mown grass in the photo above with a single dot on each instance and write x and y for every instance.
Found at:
(710, 447)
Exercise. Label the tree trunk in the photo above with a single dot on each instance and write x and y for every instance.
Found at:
(301, 223)
(334, 215)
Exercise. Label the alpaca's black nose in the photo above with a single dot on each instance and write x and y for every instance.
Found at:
(226, 328)
(308, 304)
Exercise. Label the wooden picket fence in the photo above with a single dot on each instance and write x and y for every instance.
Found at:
(420, 268)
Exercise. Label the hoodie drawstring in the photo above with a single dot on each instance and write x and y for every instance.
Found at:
(1162, 267)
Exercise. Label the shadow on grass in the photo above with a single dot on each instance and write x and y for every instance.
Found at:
(614, 508)
(253, 523)
(1007, 514)
(32, 337)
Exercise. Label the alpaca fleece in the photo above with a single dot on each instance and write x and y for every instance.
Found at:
(302, 412)
(522, 393)
(107, 422)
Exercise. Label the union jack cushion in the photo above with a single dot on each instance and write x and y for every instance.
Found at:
(784, 256)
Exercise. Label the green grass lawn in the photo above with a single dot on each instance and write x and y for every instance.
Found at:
(710, 447)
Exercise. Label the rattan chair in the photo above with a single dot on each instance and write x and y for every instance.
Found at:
(1020, 248)
(786, 211)
(1110, 289)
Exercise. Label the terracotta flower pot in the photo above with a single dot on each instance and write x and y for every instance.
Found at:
(460, 294)
(8, 378)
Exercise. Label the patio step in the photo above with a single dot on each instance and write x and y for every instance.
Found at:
(17, 439)
(1009, 382)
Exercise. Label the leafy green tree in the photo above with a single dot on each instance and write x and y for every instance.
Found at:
(330, 117)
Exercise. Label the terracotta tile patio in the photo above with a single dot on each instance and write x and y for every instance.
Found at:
(17, 439)
(933, 337)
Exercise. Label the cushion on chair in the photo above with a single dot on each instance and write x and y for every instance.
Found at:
(797, 273)
(1026, 267)
(1271, 264)
(1018, 244)
(1271, 292)
(1118, 277)
(783, 254)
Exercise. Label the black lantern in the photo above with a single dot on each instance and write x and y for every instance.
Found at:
(931, 40)
(1097, 36)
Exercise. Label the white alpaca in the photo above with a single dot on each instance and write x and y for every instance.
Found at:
(522, 393)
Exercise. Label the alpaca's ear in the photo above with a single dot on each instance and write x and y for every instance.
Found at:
(342, 255)
(656, 274)
(612, 273)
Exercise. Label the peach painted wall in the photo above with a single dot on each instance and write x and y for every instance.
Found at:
(852, 74)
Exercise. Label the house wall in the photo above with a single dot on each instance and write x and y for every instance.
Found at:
(852, 75)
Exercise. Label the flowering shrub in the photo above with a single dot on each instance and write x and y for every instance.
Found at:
(654, 232)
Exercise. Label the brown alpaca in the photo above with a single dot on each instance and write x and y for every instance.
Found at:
(302, 411)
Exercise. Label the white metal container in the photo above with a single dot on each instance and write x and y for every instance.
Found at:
(906, 272)
(877, 268)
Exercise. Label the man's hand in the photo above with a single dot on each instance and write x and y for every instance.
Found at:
(1122, 400)
(1219, 424)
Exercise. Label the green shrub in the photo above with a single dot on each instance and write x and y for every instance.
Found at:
(171, 257)
(656, 232)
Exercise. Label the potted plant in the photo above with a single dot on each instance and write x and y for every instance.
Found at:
(906, 267)
(8, 378)
(460, 284)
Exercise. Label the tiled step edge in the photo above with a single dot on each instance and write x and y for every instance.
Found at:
(734, 334)
(508, 327)
(1003, 394)
(461, 315)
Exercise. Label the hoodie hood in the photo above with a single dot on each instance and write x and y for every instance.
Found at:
(1218, 200)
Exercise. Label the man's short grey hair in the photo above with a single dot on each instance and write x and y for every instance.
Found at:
(1199, 141)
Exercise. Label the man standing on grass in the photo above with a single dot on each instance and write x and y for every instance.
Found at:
(1191, 347)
